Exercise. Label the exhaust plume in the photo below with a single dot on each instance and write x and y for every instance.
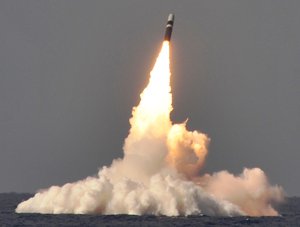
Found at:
(159, 173)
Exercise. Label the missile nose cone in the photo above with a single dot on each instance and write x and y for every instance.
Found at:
(169, 27)
(171, 17)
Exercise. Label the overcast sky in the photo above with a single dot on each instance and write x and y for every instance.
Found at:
(71, 71)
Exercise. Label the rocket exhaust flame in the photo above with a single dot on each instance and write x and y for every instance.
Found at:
(159, 171)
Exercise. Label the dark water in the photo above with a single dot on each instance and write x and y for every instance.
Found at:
(290, 216)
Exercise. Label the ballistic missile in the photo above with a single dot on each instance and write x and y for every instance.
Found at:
(169, 27)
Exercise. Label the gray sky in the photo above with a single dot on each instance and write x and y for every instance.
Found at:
(71, 71)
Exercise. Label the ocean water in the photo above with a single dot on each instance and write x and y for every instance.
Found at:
(290, 216)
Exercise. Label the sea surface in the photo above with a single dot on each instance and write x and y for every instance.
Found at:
(290, 216)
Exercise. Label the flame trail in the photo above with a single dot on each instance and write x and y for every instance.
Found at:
(159, 171)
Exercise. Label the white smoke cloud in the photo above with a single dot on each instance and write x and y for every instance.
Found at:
(159, 171)
(250, 191)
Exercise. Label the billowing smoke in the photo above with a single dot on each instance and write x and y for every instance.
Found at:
(159, 173)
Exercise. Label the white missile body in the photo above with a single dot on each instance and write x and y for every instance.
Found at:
(169, 27)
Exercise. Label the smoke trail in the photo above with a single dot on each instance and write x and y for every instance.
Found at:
(159, 171)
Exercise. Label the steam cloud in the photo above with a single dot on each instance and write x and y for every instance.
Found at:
(159, 173)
